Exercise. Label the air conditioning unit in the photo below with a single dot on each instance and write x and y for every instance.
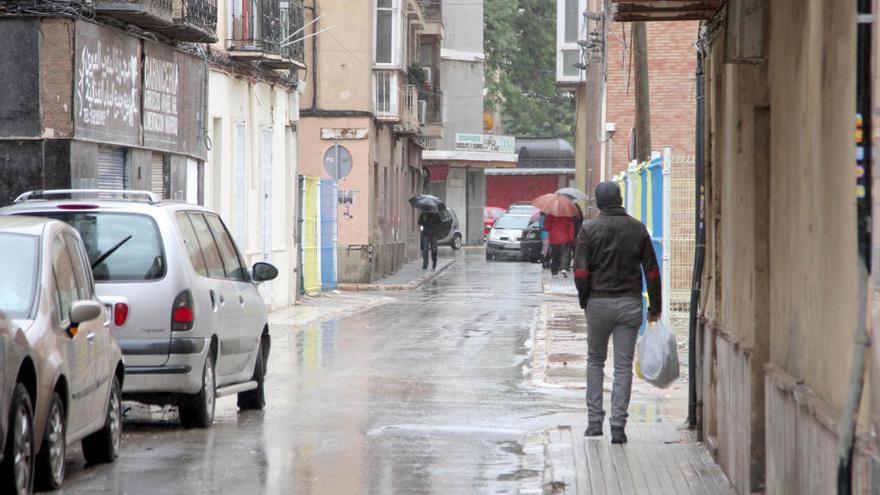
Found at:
(423, 112)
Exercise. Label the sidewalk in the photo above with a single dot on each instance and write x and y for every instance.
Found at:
(558, 285)
(325, 305)
(659, 458)
(410, 276)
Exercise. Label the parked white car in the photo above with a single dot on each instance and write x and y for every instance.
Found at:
(186, 310)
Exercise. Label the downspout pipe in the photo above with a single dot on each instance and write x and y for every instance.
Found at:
(862, 340)
(700, 241)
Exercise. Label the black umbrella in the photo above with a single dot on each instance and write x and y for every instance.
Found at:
(427, 203)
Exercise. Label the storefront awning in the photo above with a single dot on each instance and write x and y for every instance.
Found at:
(664, 10)
(462, 158)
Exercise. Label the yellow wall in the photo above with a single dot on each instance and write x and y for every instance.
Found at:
(345, 56)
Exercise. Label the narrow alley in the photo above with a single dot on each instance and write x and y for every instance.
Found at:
(424, 391)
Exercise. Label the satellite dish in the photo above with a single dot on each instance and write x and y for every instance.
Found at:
(337, 161)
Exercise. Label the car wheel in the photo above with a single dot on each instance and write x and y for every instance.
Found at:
(50, 460)
(456, 242)
(104, 444)
(17, 469)
(198, 410)
(256, 398)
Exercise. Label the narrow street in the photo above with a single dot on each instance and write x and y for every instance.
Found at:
(428, 393)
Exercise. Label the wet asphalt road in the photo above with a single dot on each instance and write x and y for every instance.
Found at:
(427, 394)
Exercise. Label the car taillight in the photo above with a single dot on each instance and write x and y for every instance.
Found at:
(182, 314)
(120, 314)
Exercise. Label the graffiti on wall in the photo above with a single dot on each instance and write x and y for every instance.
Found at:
(107, 86)
(346, 199)
(160, 96)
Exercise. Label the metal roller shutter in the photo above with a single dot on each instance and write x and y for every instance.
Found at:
(157, 175)
(111, 168)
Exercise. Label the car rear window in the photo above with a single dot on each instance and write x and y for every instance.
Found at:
(139, 258)
(20, 271)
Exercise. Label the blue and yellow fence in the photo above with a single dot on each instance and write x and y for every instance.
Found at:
(645, 188)
(318, 203)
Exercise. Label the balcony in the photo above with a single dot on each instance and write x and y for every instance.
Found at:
(263, 31)
(433, 18)
(194, 20)
(664, 10)
(431, 113)
(148, 14)
(409, 110)
(386, 95)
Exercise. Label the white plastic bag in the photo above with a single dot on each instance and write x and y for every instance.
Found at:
(657, 355)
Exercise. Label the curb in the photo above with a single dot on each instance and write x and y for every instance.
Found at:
(415, 284)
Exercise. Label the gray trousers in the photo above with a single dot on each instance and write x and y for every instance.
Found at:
(618, 318)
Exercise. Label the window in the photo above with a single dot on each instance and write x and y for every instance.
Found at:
(213, 261)
(385, 97)
(81, 273)
(191, 242)
(20, 268)
(65, 285)
(387, 32)
(141, 257)
(231, 261)
(570, 27)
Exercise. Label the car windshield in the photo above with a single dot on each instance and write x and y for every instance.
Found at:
(139, 258)
(512, 222)
(522, 209)
(20, 271)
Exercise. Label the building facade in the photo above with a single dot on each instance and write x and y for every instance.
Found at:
(604, 87)
(369, 108)
(252, 116)
(89, 100)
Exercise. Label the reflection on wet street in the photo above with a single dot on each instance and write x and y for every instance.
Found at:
(426, 394)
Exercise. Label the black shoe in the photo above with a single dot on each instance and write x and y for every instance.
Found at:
(425, 266)
(594, 429)
(618, 435)
(434, 267)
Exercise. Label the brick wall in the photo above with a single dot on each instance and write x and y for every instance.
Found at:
(671, 64)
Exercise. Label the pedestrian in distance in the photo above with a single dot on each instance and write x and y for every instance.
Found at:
(612, 253)
(429, 223)
(561, 234)
(578, 223)
(545, 242)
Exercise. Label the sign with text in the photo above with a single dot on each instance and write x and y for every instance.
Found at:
(485, 142)
(107, 85)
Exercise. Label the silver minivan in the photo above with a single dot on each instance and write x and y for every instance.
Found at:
(185, 308)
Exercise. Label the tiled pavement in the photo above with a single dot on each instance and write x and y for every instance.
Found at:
(659, 457)
(558, 285)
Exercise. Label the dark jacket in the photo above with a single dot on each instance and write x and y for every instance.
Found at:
(612, 252)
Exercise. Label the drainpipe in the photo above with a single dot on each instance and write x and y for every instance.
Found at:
(314, 67)
(856, 383)
(700, 247)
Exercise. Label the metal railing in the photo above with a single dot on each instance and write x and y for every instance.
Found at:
(409, 115)
(433, 108)
(199, 13)
(433, 10)
(386, 94)
(292, 20)
(256, 25)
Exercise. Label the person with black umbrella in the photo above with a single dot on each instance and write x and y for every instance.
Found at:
(431, 225)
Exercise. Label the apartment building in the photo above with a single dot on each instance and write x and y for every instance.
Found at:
(251, 127)
(372, 103)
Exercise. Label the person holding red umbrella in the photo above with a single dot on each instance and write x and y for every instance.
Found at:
(559, 225)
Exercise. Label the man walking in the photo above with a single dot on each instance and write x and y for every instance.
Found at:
(429, 223)
(561, 234)
(611, 254)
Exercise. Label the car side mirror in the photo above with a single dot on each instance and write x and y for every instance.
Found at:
(83, 311)
(264, 272)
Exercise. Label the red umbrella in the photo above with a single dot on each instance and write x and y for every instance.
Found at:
(555, 204)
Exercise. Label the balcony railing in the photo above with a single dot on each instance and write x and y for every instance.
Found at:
(149, 14)
(386, 95)
(263, 30)
(195, 20)
(431, 111)
(433, 10)
(409, 110)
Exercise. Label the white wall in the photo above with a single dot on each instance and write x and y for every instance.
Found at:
(260, 106)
